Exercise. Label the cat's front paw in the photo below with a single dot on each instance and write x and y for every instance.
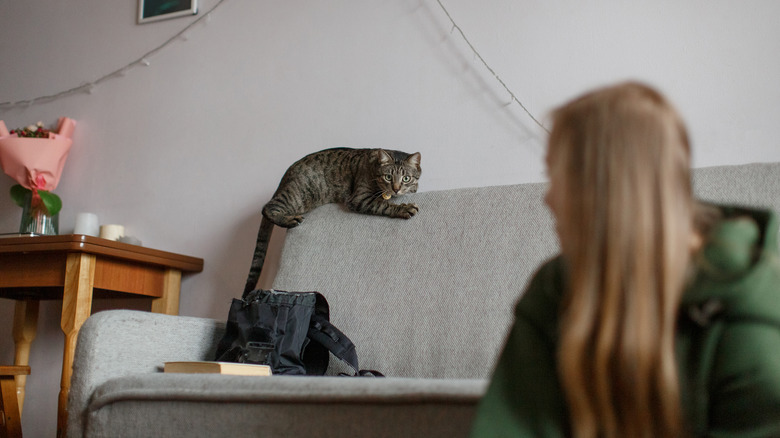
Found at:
(406, 211)
(290, 221)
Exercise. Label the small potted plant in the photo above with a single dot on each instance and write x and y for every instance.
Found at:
(34, 157)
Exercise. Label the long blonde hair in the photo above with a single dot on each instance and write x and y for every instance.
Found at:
(627, 238)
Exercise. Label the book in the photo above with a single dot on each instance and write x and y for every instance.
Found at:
(204, 367)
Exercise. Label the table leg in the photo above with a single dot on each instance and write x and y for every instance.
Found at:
(25, 326)
(168, 303)
(10, 425)
(76, 308)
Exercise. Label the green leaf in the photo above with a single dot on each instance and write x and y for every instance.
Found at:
(18, 194)
(52, 202)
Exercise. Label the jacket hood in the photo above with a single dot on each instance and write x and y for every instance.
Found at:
(738, 269)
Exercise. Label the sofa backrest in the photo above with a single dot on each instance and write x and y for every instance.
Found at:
(433, 296)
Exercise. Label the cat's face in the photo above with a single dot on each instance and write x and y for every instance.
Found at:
(398, 172)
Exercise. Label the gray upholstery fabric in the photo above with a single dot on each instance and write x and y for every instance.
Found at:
(124, 343)
(212, 405)
(427, 301)
(118, 390)
(755, 184)
(426, 296)
(144, 419)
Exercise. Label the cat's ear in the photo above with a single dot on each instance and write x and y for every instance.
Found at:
(414, 160)
(384, 157)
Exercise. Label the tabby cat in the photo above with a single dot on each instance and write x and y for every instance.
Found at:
(362, 179)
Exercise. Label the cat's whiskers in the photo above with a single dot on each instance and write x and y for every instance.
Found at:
(376, 195)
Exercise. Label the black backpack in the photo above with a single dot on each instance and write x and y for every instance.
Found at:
(289, 331)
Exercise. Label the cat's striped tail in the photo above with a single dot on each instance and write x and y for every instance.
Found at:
(258, 258)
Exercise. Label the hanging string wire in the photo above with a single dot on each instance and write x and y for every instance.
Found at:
(495, 75)
(88, 87)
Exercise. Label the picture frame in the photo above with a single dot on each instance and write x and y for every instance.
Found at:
(156, 10)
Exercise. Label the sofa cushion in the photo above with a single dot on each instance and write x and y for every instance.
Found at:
(431, 296)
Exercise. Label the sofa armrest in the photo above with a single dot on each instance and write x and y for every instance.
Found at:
(213, 405)
(119, 343)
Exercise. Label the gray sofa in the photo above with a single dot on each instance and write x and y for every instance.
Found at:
(427, 301)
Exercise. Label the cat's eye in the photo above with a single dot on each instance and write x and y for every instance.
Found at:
(388, 178)
(407, 178)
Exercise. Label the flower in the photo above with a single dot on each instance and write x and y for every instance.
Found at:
(34, 156)
(35, 131)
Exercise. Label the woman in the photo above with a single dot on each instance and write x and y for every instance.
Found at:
(661, 316)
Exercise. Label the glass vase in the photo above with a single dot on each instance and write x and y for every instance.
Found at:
(36, 219)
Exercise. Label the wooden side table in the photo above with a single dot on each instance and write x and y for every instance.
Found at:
(76, 268)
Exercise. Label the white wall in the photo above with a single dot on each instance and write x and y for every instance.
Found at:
(184, 152)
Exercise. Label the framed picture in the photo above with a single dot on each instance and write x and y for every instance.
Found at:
(155, 10)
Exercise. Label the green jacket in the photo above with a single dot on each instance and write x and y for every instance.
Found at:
(728, 343)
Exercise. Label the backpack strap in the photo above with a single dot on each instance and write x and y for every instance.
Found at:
(326, 334)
